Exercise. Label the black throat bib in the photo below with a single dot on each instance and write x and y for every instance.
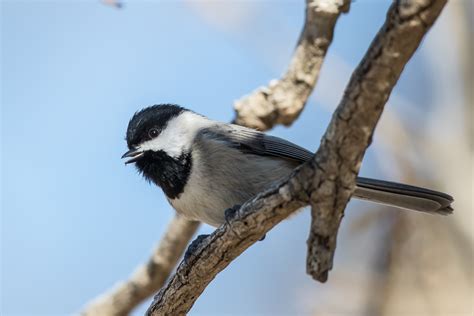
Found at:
(171, 174)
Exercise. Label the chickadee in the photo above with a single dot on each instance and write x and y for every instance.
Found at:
(206, 167)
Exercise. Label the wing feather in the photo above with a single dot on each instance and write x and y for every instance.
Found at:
(258, 143)
(384, 192)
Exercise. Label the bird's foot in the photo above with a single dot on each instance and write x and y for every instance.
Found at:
(230, 213)
(193, 246)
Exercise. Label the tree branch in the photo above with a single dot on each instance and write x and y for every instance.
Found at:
(327, 181)
(283, 100)
(354, 121)
(294, 88)
(148, 278)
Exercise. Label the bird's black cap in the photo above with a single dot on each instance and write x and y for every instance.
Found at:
(157, 116)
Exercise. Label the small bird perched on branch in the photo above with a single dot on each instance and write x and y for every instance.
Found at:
(206, 167)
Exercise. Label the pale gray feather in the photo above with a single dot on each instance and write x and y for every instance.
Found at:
(403, 196)
(256, 174)
(223, 177)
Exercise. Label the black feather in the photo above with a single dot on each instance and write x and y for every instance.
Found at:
(156, 116)
(171, 174)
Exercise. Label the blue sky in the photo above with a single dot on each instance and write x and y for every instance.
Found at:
(75, 220)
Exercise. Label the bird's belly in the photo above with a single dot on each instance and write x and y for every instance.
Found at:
(198, 202)
(206, 198)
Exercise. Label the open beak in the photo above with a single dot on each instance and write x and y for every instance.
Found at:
(134, 154)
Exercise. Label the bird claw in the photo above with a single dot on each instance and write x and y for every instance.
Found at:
(229, 214)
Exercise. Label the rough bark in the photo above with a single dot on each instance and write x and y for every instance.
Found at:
(327, 181)
(217, 250)
(354, 121)
(148, 278)
(282, 100)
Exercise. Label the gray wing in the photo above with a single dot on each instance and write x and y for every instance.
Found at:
(384, 192)
(258, 143)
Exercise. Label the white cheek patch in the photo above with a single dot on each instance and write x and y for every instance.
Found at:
(178, 135)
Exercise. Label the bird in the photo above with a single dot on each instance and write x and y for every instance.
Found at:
(206, 167)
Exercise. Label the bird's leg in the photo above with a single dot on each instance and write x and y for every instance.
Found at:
(193, 246)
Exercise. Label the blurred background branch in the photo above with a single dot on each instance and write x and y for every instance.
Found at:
(283, 100)
(149, 277)
(428, 268)
(113, 3)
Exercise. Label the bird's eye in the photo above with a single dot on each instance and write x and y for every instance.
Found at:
(153, 132)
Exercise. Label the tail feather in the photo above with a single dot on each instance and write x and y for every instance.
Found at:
(403, 196)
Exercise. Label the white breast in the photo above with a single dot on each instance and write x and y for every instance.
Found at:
(198, 201)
